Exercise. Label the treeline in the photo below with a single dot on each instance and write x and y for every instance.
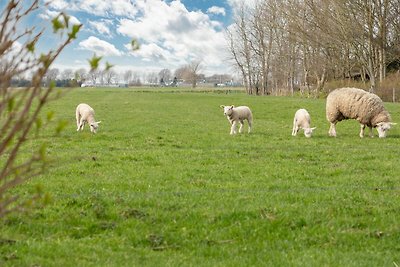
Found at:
(281, 46)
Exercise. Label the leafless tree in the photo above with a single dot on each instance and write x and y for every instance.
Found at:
(81, 75)
(164, 75)
(67, 74)
(283, 44)
(192, 72)
(128, 75)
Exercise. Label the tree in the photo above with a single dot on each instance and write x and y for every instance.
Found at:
(80, 75)
(128, 75)
(67, 74)
(164, 75)
(192, 72)
(20, 110)
(278, 45)
(51, 75)
(110, 76)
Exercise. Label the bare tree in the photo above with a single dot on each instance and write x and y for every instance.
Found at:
(281, 44)
(81, 75)
(51, 75)
(67, 74)
(164, 75)
(110, 77)
(20, 109)
(192, 72)
(128, 75)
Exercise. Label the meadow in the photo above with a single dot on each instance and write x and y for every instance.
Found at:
(163, 183)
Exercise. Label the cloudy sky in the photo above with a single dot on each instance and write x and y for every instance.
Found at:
(171, 33)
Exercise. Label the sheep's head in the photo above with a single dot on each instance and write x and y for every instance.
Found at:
(227, 110)
(383, 128)
(308, 131)
(94, 126)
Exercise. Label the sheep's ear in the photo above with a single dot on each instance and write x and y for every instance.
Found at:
(313, 128)
(232, 106)
(221, 106)
(98, 122)
(393, 123)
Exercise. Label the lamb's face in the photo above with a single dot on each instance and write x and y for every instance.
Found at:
(94, 126)
(383, 128)
(308, 132)
(228, 110)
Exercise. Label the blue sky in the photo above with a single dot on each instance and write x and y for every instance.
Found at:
(171, 33)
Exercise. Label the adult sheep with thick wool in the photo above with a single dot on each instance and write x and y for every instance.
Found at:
(237, 115)
(85, 113)
(302, 120)
(353, 103)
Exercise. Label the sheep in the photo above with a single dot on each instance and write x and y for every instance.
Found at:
(238, 114)
(85, 113)
(353, 103)
(302, 120)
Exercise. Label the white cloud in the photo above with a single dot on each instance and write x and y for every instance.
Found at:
(48, 15)
(57, 4)
(170, 31)
(151, 52)
(99, 47)
(169, 34)
(216, 10)
(102, 27)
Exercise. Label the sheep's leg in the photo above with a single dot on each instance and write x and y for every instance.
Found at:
(241, 127)
(250, 124)
(362, 130)
(332, 129)
(294, 130)
(81, 124)
(233, 128)
(371, 134)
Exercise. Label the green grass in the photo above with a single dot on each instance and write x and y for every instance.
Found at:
(164, 184)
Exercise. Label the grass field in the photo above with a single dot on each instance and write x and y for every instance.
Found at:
(164, 184)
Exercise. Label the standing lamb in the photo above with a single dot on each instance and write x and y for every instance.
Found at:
(353, 103)
(85, 113)
(302, 120)
(238, 114)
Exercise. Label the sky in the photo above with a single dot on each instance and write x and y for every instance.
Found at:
(171, 33)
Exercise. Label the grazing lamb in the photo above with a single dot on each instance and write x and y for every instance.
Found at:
(353, 103)
(302, 120)
(238, 114)
(84, 113)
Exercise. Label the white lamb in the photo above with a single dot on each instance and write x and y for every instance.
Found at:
(238, 114)
(353, 103)
(85, 113)
(302, 120)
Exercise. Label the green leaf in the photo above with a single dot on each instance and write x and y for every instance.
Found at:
(57, 25)
(39, 123)
(50, 115)
(94, 62)
(61, 126)
(45, 59)
(74, 31)
(135, 45)
(42, 152)
(108, 66)
(11, 104)
(31, 46)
